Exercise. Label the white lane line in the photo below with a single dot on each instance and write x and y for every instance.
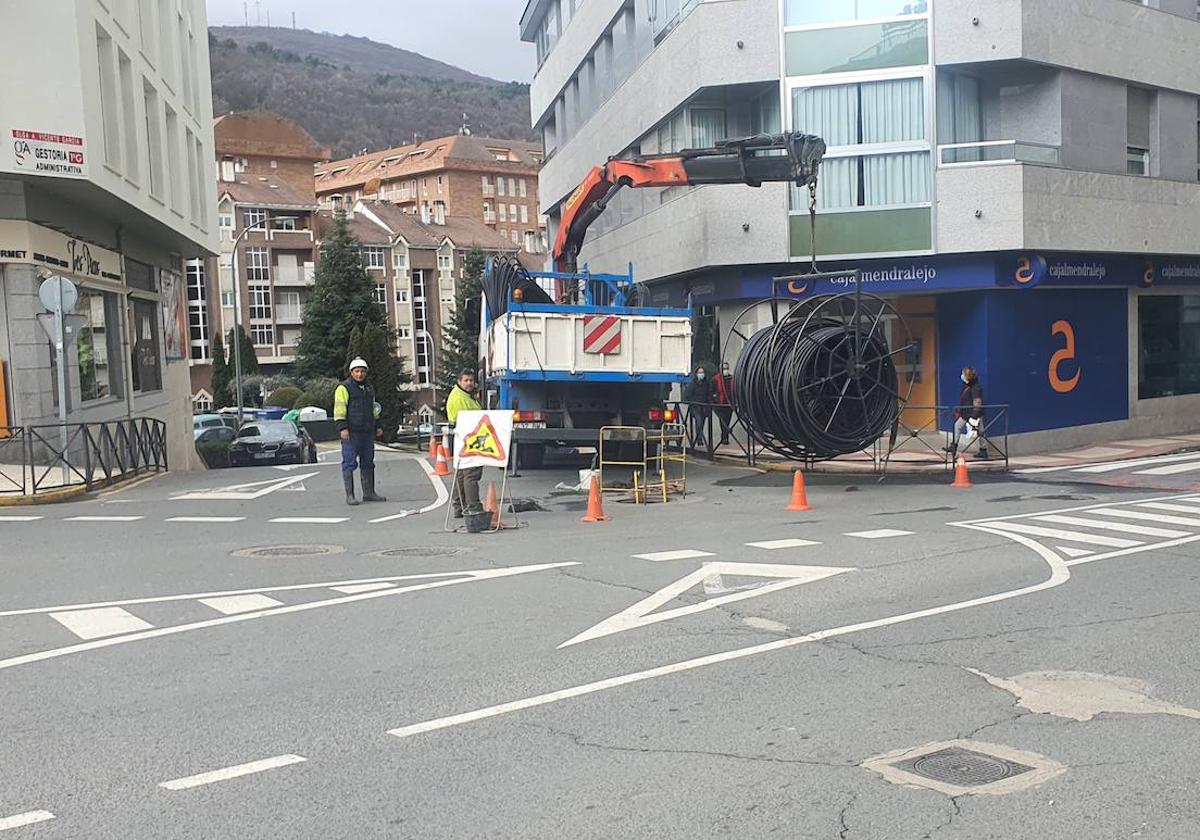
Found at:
(103, 518)
(1169, 507)
(771, 545)
(1059, 574)
(460, 577)
(206, 519)
(19, 518)
(1089, 509)
(1146, 517)
(881, 534)
(1171, 469)
(1113, 466)
(308, 520)
(1122, 527)
(1069, 536)
(95, 624)
(28, 818)
(439, 487)
(682, 554)
(234, 772)
(234, 604)
(355, 588)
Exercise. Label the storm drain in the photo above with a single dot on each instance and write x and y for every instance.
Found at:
(277, 551)
(418, 551)
(959, 768)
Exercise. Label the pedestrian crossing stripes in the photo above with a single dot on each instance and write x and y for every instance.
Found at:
(1158, 465)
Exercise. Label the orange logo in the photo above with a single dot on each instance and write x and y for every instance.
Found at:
(1030, 270)
(1066, 354)
(796, 287)
(1148, 274)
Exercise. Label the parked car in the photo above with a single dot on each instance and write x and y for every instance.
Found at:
(213, 443)
(211, 421)
(271, 441)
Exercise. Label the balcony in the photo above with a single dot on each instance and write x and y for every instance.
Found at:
(989, 152)
(295, 275)
(299, 238)
(286, 314)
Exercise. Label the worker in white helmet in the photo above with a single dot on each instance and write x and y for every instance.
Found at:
(356, 415)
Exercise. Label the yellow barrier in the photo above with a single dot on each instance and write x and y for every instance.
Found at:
(610, 435)
(671, 448)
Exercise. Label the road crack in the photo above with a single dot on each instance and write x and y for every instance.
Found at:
(843, 826)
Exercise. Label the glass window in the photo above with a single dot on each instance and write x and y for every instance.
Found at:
(1169, 351)
(404, 333)
(258, 266)
(959, 116)
(445, 261)
(499, 185)
(197, 295)
(260, 302)
(262, 335)
(400, 259)
(253, 216)
(802, 12)
(764, 114)
(524, 215)
(284, 223)
(708, 126)
(374, 257)
(146, 351)
(871, 181)
(870, 47)
(891, 111)
(96, 338)
(524, 188)
(504, 212)
(379, 292)
(402, 296)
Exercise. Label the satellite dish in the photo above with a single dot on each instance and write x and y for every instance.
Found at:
(57, 294)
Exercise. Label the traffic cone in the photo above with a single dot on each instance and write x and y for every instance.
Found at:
(961, 479)
(799, 496)
(493, 506)
(433, 449)
(442, 467)
(595, 510)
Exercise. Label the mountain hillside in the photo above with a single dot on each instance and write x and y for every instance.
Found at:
(352, 93)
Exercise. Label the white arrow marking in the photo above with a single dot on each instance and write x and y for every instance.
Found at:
(643, 612)
(245, 492)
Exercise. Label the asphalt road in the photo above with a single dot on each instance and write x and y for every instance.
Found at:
(712, 667)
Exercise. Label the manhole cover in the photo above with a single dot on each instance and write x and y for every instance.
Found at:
(419, 551)
(271, 551)
(965, 768)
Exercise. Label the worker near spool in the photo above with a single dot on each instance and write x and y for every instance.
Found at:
(699, 396)
(969, 416)
(724, 400)
(464, 496)
(356, 415)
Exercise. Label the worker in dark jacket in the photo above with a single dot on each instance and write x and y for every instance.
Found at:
(356, 415)
(723, 393)
(699, 395)
(970, 416)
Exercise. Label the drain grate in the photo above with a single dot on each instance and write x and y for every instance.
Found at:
(419, 551)
(276, 551)
(962, 767)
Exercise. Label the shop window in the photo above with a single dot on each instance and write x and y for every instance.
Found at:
(146, 352)
(1169, 352)
(99, 377)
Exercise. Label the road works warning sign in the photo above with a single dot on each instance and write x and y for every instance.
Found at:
(42, 153)
(482, 439)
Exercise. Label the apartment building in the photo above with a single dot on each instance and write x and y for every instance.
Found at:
(493, 181)
(1018, 179)
(105, 180)
(265, 205)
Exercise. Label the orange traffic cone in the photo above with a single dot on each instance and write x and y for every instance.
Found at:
(442, 467)
(799, 496)
(595, 510)
(961, 479)
(493, 506)
(433, 449)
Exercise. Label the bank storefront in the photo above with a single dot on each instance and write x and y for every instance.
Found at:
(1067, 340)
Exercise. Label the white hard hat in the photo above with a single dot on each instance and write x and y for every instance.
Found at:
(359, 363)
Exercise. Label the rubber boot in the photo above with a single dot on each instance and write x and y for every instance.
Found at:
(348, 480)
(368, 485)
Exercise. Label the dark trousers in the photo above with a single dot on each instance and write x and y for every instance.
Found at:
(699, 417)
(359, 451)
(464, 495)
(724, 414)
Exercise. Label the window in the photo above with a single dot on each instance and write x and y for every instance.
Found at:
(516, 237)
(258, 265)
(445, 262)
(379, 293)
(262, 335)
(1169, 345)
(524, 215)
(512, 212)
(202, 403)
(404, 333)
(154, 139)
(399, 260)
(499, 185)
(488, 189)
(109, 113)
(254, 216)
(439, 184)
(844, 49)
(175, 170)
(128, 115)
(504, 212)
(402, 296)
(283, 223)
(764, 113)
(504, 232)
(524, 188)
(374, 257)
(227, 298)
(804, 12)
(1138, 103)
(260, 303)
(289, 307)
(94, 343)
(197, 296)
(959, 116)
(146, 350)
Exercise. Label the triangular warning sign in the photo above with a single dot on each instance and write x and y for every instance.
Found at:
(707, 576)
(483, 442)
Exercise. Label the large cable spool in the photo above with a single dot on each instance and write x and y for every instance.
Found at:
(822, 380)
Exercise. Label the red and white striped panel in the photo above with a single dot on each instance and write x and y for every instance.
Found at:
(601, 334)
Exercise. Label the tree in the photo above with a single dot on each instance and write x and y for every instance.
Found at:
(387, 374)
(460, 339)
(318, 392)
(342, 298)
(222, 375)
(284, 397)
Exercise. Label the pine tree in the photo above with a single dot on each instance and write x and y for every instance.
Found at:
(222, 375)
(249, 362)
(460, 339)
(386, 371)
(342, 298)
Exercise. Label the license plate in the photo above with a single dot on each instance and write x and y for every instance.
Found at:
(263, 455)
(531, 425)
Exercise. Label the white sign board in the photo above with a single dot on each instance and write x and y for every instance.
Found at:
(482, 438)
(42, 153)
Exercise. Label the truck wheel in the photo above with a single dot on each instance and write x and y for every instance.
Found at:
(530, 456)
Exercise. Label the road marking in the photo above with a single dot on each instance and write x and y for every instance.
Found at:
(771, 545)
(355, 588)
(206, 519)
(234, 604)
(1073, 552)
(28, 818)
(455, 578)
(103, 518)
(1168, 506)
(1112, 466)
(234, 772)
(1146, 517)
(881, 534)
(308, 520)
(642, 613)
(1060, 573)
(1123, 527)
(19, 518)
(244, 492)
(439, 487)
(683, 554)
(1070, 536)
(1172, 469)
(106, 621)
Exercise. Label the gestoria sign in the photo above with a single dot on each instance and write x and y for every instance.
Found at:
(25, 242)
(44, 153)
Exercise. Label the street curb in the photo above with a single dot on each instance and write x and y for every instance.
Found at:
(776, 466)
(70, 494)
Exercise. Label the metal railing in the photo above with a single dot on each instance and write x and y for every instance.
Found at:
(40, 458)
(988, 152)
(700, 420)
(937, 427)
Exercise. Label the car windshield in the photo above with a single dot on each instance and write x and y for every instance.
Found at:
(276, 429)
(248, 431)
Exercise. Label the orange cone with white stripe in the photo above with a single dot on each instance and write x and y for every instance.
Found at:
(799, 494)
(595, 509)
(442, 467)
(961, 479)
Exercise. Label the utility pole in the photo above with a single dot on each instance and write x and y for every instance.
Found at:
(268, 18)
(258, 12)
(246, 11)
(293, 20)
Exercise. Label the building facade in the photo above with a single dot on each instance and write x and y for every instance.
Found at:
(492, 181)
(265, 206)
(1026, 200)
(105, 180)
